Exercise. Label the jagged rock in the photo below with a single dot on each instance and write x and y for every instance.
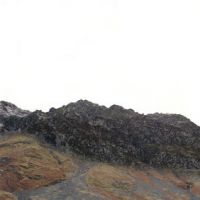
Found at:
(115, 134)
(8, 110)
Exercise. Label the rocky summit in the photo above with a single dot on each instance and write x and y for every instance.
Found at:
(87, 151)
(113, 134)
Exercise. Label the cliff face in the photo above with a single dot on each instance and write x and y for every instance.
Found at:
(115, 134)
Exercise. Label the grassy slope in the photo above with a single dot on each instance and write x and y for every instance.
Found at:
(25, 163)
(127, 183)
(7, 196)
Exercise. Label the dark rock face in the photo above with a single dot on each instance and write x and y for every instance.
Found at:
(115, 134)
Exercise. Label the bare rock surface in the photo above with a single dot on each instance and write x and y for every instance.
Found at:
(115, 134)
(10, 110)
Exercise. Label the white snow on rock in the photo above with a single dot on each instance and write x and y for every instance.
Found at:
(8, 109)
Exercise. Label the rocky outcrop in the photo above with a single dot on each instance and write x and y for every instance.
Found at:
(8, 110)
(116, 134)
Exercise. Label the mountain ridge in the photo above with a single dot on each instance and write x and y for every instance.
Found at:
(114, 134)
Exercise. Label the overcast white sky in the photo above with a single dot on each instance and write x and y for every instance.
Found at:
(141, 54)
